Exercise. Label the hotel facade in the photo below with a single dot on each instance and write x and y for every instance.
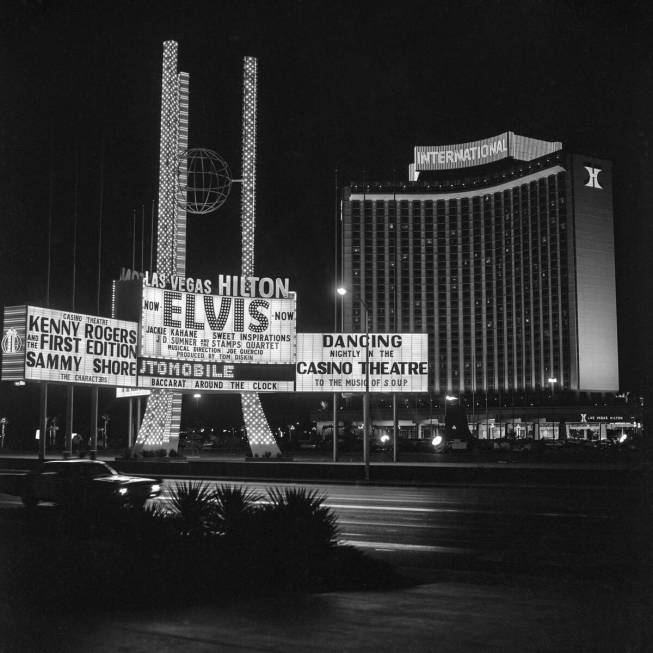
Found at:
(502, 251)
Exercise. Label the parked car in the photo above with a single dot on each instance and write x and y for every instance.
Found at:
(90, 482)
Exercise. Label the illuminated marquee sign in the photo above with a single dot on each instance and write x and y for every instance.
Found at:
(340, 362)
(67, 347)
(217, 328)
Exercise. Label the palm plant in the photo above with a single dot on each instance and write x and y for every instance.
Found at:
(234, 507)
(193, 507)
(303, 517)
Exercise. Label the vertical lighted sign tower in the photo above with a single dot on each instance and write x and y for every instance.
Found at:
(160, 426)
(261, 440)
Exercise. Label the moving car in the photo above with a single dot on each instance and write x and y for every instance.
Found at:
(90, 482)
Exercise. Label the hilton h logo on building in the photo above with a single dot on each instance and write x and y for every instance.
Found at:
(593, 181)
(12, 343)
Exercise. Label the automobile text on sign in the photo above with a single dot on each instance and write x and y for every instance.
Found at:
(186, 376)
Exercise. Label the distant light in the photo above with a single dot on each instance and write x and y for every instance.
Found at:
(155, 488)
(122, 491)
(450, 398)
(623, 438)
(342, 291)
(197, 396)
(19, 383)
(385, 438)
(552, 379)
(437, 440)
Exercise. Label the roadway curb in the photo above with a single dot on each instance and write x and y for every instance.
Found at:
(436, 474)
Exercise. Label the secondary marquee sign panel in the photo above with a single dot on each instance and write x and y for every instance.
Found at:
(67, 347)
(343, 362)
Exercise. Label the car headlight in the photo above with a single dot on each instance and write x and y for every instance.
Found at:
(155, 488)
(437, 440)
(122, 491)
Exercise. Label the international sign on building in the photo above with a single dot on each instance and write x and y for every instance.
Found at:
(68, 347)
(343, 362)
(217, 328)
(481, 152)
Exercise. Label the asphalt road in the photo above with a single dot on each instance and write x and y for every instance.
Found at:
(580, 530)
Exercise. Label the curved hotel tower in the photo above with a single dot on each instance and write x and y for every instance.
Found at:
(502, 251)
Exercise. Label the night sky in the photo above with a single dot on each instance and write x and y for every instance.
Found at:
(342, 85)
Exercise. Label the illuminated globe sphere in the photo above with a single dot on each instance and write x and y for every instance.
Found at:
(208, 181)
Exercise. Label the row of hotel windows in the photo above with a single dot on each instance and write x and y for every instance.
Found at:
(491, 252)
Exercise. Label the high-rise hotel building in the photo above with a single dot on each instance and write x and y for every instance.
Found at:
(502, 250)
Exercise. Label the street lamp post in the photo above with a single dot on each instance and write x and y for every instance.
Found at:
(447, 399)
(366, 394)
(335, 310)
(552, 380)
(341, 292)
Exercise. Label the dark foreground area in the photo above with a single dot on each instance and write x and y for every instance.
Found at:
(136, 583)
(443, 616)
